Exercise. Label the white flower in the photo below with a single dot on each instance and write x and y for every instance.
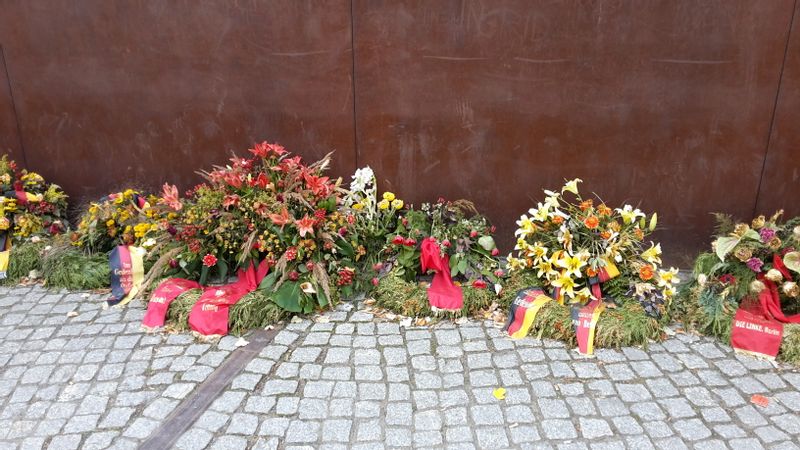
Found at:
(629, 214)
(362, 178)
(702, 279)
(572, 186)
(149, 243)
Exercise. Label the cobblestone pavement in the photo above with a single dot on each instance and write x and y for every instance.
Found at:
(95, 380)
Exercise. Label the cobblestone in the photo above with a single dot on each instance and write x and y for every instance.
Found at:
(359, 382)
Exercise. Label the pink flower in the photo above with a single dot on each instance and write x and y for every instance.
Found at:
(291, 253)
(479, 284)
(499, 273)
(473, 234)
(293, 275)
(305, 225)
(209, 260)
(495, 252)
(755, 264)
(446, 243)
(374, 281)
(230, 200)
(171, 197)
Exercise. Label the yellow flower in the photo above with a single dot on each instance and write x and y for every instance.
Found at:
(566, 283)
(526, 227)
(571, 265)
(539, 252)
(515, 263)
(397, 204)
(572, 186)
(653, 254)
(110, 223)
(666, 278)
(388, 196)
(383, 204)
(358, 206)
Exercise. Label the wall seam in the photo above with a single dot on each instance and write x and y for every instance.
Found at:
(775, 108)
(353, 83)
(13, 106)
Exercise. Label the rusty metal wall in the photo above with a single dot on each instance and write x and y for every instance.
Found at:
(110, 92)
(9, 136)
(780, 184)
(666, 104)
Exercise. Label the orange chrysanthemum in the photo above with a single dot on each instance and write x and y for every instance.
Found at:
(646, 272)
(591, 222)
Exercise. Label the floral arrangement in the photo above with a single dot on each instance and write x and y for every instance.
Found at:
(373, 219)
(29, 206)
(270, 206)
(124, 218)
(745, 257)
(461, 232)
(573, 244)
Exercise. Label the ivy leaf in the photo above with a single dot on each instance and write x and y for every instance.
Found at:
(288, 296)
(726, 245)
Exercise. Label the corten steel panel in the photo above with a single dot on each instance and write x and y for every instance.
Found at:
(110, 92)
(780, 185)
(665, 104)
(9, 138)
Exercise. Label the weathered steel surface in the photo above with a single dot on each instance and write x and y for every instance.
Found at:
(9, 138)
(112, 92)
(665, 104)
(780, 185)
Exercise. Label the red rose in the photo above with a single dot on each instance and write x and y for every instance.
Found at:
(173, 263)
(473, 234)
(410, 242)
(377, 266)
(446, 243)
(495, 252)
(374, 281)
(310, 265)
(209, 260)
(398, 240)
(479, 284)
(492, 229)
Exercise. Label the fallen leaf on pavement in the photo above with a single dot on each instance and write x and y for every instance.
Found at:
(72, 314)
(241, 342)
(499, 393)
(759, 400)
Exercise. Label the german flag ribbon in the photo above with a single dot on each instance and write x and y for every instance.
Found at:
(127, 273)
(209, 316)
(442, 293)
(5, 254)
(584, 319)
(523, 311)
(162, 297)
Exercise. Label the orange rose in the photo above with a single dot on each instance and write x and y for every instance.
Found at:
(646, 272)
(591, 222)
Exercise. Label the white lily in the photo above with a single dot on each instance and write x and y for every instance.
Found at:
(629, 213)
(572, 186)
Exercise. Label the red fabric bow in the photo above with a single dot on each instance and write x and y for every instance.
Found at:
(442, 293)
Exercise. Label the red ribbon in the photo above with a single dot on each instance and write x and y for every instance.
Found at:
(209, 316)
(770, 301)
(162, 297)
(442, 293)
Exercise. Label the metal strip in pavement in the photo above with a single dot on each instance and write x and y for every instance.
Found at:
(190, 409)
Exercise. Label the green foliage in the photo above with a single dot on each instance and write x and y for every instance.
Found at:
(24, 258)
(67, 267)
